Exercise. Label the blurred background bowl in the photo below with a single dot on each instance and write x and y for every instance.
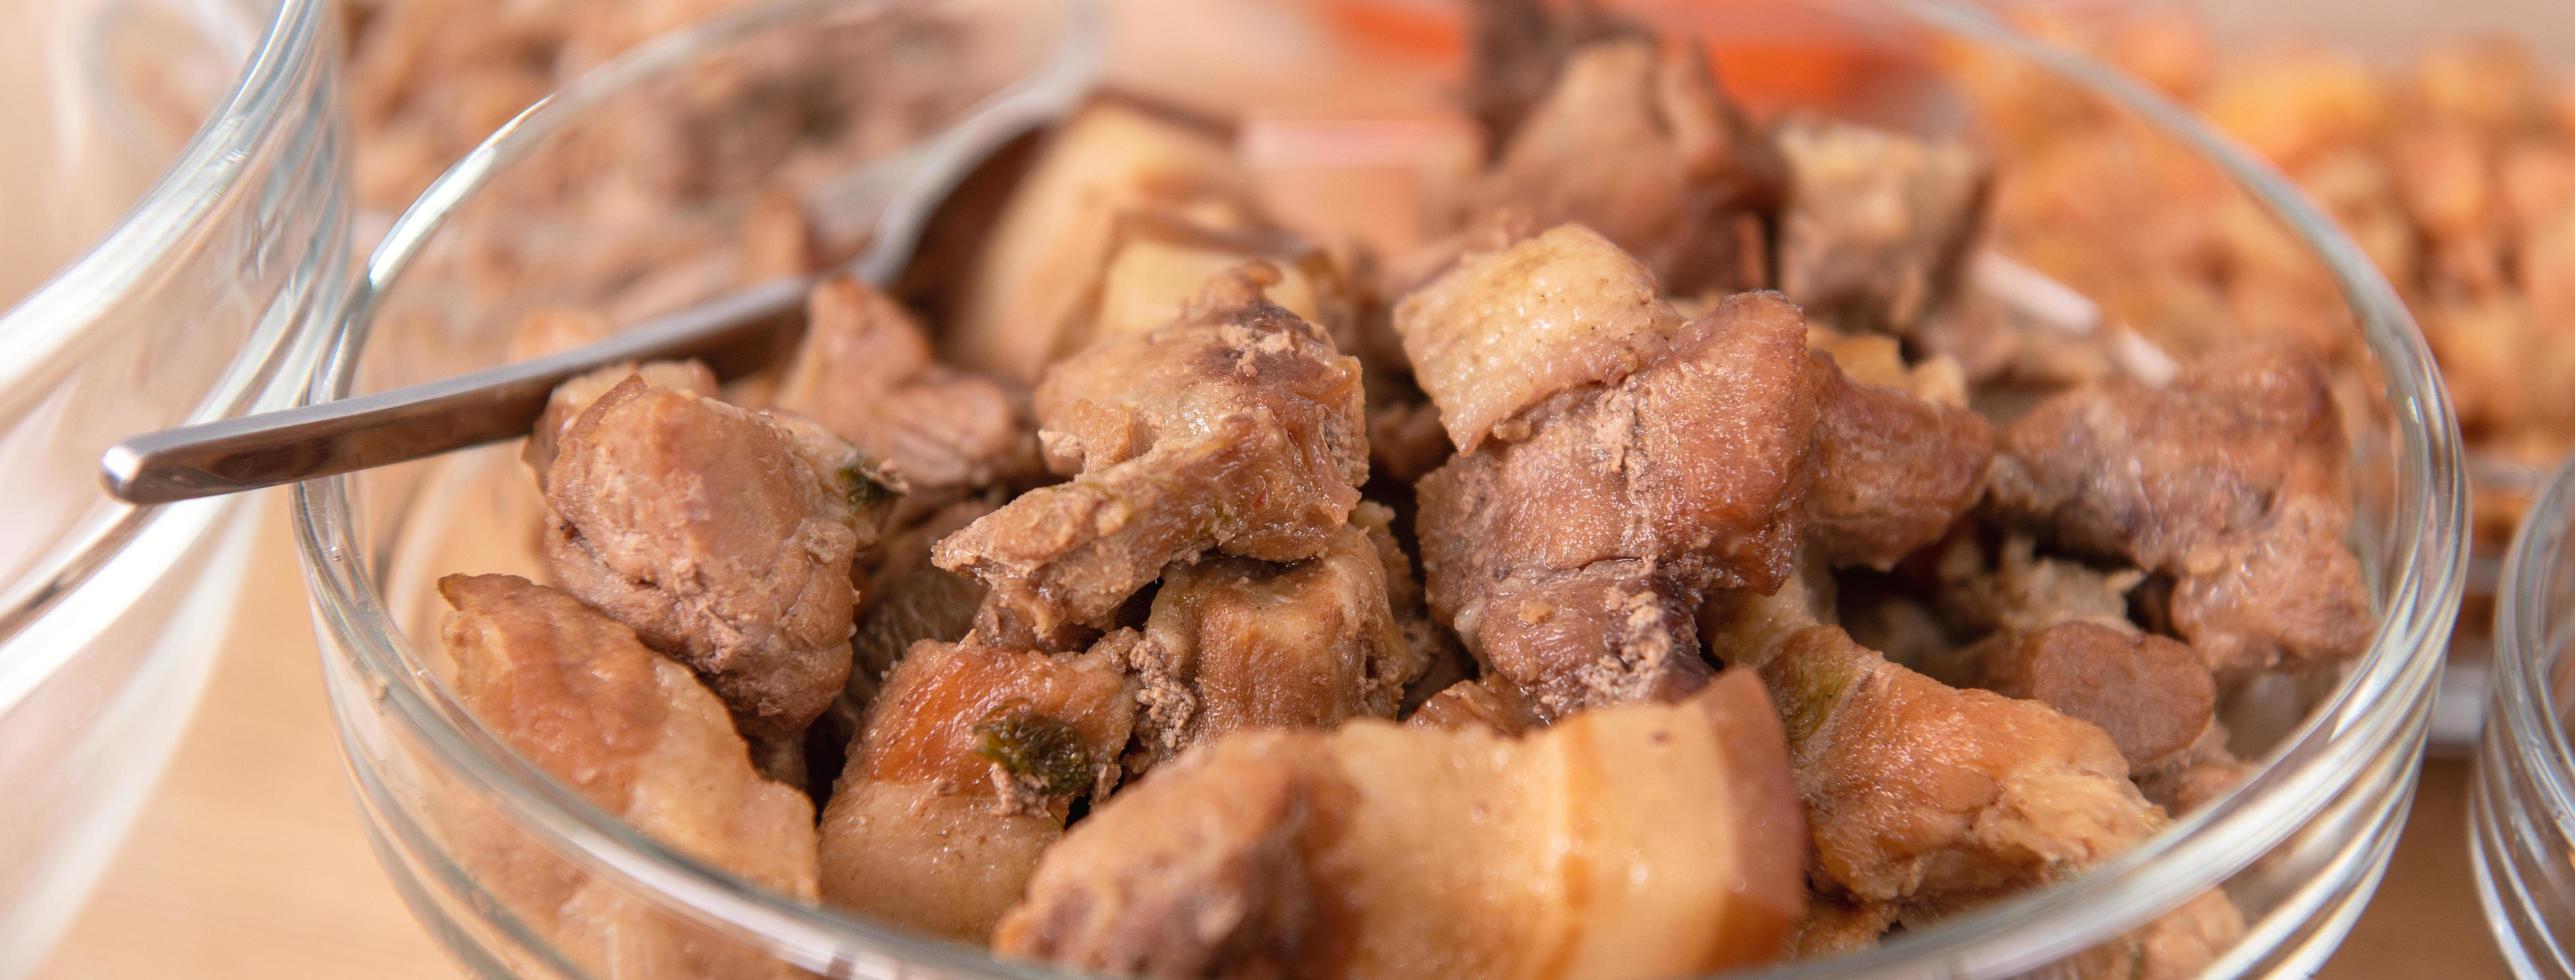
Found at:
(177, 213)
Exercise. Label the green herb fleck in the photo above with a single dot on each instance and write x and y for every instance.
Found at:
(1042, 751)
(866, 483)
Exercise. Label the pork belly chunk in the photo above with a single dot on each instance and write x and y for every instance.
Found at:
(1574, 559)
(1635, 141)
(1648, 840)
(1506, 328)
(575, 693)
(1236, 643)
(722, 536)
(864, 371)
(2230, 479)
(963, 775)
(1235, 429)
(1876, 223)
(1029, 284)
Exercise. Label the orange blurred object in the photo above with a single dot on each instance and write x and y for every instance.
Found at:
(1768, 53)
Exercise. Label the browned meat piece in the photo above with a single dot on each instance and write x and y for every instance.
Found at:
(574, 397)
(963, 775)
(1640, 841)
(1474, 705)
(1235, 643)
(1892, 472)
(1876, 222)
(1919, 792)
(2151, 695)
(1519, 49)
(576, 694)
(864, 371)
(1636, 142)
(1044, 258)
(1508, 327)
(1235, 429)
(1573, 561)
(2020, 590)
(2231, 479)
(1158, 261)
(723, 536)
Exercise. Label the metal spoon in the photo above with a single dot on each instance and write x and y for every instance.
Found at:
(733, 334)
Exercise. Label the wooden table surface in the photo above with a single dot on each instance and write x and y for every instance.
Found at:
(250, 862)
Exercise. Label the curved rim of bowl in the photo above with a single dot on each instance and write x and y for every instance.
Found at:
(2368, 714)
(43, 327)
(2525, 700)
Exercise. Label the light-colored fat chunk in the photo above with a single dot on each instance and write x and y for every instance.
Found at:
(1647, 840)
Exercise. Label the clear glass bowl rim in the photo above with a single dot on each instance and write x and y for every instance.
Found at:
(2525, 704)
(2366, 716)
(41, 329)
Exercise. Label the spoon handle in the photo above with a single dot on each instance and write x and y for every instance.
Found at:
(733, 334)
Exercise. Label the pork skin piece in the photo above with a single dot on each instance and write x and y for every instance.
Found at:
(1893, 472)
(1688, 475)
(722, 536)
(1647, 840)
(962, 777)
(1636, 141)
(1505, 328)
(1918, 792)
(2150, 694)
(2231, 479)
(576, 694)
(1028, 285)
(1159, 260)
(1234, 429)
(864, 371)
(1877, 222)
(1236, 643)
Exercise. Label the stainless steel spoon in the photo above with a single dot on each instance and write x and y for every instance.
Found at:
(734, 334)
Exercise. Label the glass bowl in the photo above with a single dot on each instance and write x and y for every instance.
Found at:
(2521, 807)
(209, 297)
(2299, 847)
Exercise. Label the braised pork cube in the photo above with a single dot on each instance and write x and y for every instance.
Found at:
(1477, 705)
(1636, 142)
(1918, 792)
(576, 694)
(1158, 261)
(1892, 471)
(2230, 479)
(1876, 224)
(1236, 643)
(555, 330)
(1574, 560)
(1649, 840)
(1507, 327)
(2151, 695)
(963, 775)
(1046, 254)
(864, 371)
(1442, 661)
(722, 536)
(1234, 429)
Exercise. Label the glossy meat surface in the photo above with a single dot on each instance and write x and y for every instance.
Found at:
(577, 695)
(722, 536)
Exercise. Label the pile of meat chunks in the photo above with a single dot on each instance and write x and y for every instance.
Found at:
(1201, 600)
